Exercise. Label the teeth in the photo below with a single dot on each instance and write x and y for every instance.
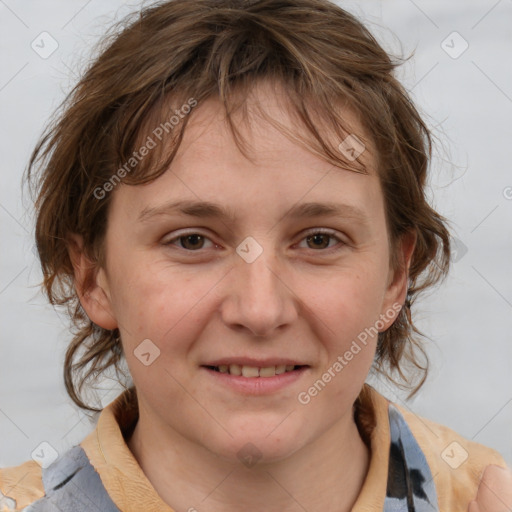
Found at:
(250, 371)
(253, 371)
(268, 372)
(235, 369)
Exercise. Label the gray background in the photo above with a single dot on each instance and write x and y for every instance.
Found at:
(467, 101)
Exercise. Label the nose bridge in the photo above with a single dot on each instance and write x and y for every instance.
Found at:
(259, 299)
(262, 279)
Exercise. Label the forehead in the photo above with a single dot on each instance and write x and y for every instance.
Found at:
(267, 119)
(280, 171)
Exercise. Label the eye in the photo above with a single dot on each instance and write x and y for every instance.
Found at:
(315, 239)
(189, 241)
(319, 239)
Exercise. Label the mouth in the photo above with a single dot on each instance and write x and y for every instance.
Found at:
(255, 377)
(251, 372)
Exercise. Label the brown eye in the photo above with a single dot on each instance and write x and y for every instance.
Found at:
(191, 242)
(319, 240)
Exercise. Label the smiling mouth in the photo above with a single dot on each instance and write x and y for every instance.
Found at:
(254, 371)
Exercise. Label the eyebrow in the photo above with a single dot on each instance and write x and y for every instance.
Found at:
(206, 209)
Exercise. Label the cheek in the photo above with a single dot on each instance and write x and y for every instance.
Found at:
(349, 299)
(161, 302)
(346, 315)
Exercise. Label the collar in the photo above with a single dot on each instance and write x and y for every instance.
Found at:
(131, 491)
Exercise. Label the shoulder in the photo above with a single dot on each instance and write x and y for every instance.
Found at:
(457, 464)
(20, 486)
(70, 483)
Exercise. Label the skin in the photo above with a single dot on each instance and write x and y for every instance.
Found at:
(295, 300)
(494, 491)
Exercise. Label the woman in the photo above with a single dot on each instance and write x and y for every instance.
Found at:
(233, 202)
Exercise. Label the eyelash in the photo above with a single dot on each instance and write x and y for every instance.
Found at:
(317, 231)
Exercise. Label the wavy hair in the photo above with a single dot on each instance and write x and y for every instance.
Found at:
(155, 59)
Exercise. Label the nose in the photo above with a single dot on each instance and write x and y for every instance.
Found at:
(258, 299)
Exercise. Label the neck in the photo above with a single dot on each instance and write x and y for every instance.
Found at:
(325, 475)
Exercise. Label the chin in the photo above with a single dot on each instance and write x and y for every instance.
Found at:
(258, 452)
(261, 443)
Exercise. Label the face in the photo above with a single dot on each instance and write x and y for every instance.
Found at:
(271, 288)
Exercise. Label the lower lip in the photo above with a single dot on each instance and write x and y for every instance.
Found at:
(257, 385)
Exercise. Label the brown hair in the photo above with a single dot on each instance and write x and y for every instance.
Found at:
(199, 49)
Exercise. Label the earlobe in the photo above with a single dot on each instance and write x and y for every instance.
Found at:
(407, 245)
(91, 285)
(396, 292)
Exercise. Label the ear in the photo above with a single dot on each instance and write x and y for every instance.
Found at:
(91, 285)
(396, 291)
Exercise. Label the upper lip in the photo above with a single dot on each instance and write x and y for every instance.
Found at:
(250, 361)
